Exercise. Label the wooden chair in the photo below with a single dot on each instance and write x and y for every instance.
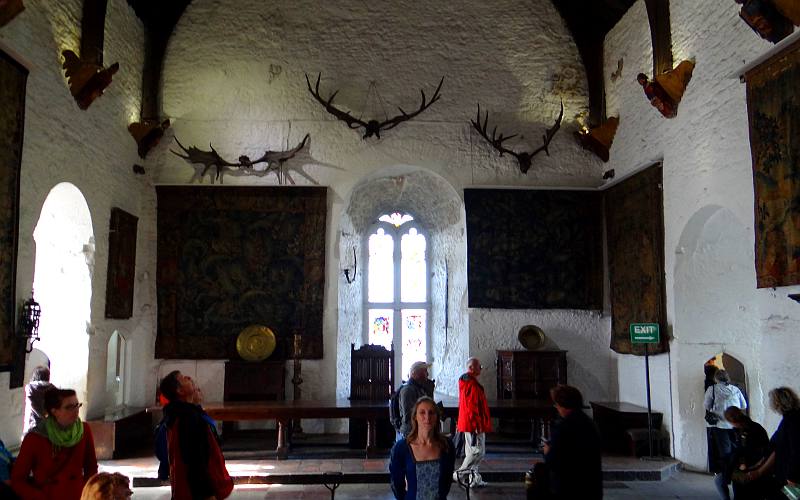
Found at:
(371, 379)
(253, 381)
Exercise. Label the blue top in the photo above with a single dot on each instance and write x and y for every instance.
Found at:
(404, 469)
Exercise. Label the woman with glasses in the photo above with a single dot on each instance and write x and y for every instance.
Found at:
(57, 456)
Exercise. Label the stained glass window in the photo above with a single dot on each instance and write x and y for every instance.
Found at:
(413, 267)
(381, 322)
(381, 267)
(396, 218)
(397, 302)
(414, 337)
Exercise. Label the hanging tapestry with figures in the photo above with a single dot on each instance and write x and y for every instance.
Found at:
(231, 257)
(773, 108)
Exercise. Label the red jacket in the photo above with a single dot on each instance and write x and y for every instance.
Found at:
(473, 410)
(196, 465)
(55, 475)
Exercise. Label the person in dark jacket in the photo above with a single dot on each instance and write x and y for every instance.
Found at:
(418, 385)
(784, 460)
(196, 465)
(572, 464)
(421, 464)
(750, 451)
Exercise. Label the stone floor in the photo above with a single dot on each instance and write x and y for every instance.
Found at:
(684, 485)
(680, 485)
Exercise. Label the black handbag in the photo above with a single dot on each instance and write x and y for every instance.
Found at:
(711, 417)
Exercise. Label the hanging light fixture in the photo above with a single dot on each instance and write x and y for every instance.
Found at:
(29, 322)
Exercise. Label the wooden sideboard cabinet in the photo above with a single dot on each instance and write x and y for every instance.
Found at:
(529, 374)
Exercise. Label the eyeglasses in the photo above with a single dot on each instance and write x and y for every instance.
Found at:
(72, 407)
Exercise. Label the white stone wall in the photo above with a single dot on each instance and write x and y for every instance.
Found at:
(712, 300)
(92, 150)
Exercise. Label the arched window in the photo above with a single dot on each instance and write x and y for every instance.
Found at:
(397, 299)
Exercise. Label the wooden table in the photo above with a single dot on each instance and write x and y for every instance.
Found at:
(614, 418)
(286, 411)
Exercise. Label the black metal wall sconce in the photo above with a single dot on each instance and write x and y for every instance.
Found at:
(355, 269)
(29, 322)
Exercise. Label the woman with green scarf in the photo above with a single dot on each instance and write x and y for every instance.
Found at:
(57, 456)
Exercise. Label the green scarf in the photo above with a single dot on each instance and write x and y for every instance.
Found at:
(64, 438)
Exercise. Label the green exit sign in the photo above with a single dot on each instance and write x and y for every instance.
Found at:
(644, 333)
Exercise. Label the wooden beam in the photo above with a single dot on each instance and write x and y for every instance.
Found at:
(93, 30)
(660, 35)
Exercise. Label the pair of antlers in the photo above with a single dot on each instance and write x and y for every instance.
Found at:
(524, 159)
(371, 127)
(212, 158)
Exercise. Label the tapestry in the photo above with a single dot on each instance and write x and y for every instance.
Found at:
(635, 237)
(121, 264)
(530, 249)
(13, 77)
(773, 109)
(231, 257)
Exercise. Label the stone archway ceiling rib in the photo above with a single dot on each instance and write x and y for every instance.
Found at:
(589, 22)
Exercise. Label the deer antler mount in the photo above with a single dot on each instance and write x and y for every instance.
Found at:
(371, 127)
(524, 158)
(273, 159)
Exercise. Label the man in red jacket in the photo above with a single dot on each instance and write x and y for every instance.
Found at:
(196, 465)
(474, 422)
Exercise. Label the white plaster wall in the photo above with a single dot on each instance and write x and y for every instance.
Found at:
(244, 92)
(712, 302)
(92, 150)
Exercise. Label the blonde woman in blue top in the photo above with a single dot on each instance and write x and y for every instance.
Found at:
(421, 465)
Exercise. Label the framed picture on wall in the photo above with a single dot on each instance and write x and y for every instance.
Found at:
(121, 264)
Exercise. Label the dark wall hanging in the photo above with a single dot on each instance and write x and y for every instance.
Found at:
(635, 233)
(121, 264)
(773, 109)
(230, 257)
(524, 158)
(371, 127)
(13, 78)
(534, 249)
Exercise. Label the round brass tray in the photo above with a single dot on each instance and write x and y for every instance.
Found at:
(531, 337)
(255, 343)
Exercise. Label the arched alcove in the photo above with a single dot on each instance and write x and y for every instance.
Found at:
(63, 284)
(117, 370)
(436, 204)
(713, 287)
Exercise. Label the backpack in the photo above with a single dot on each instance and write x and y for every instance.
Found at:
(394, 409)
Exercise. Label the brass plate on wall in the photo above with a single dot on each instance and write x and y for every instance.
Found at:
(255, 343)
(531, 337)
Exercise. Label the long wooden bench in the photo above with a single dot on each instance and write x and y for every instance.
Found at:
(121, 432)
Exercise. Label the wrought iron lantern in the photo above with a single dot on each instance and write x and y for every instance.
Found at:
(29, 322)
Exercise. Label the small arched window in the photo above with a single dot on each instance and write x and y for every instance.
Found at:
(397, 294)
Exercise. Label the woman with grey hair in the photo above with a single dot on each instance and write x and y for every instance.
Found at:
(785, 443)
(34, 398)
(719, 397)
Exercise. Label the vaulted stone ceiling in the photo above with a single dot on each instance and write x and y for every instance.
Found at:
(588, 21)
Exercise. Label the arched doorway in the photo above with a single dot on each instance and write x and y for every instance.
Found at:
(712, 292)
(63, 285)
